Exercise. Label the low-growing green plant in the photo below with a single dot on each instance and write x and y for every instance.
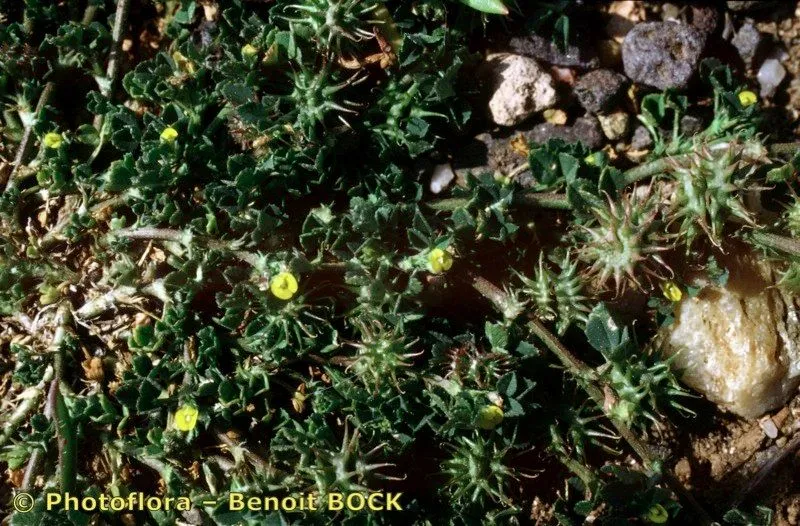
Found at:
(220, 271)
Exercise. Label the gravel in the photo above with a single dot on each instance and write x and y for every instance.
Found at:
(641, 139)
(662, 54)
(521, 88)
(599, 90)
(614, 125)
(585, 129)
(770, 75)
(747, 42)
(545, 50)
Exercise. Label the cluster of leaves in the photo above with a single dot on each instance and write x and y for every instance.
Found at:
(264, 300)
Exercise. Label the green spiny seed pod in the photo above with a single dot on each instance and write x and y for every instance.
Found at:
(477, 472)
(791, 217)
(382, 356)
(539, 290)
(643, 385)
(334, 21)
(707, 193)
(570, 301)
(622, 240)
(471, 367)
(554, 296)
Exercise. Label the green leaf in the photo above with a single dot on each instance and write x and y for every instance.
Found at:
(495, 7)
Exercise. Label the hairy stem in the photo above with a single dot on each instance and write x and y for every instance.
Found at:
(784, 244)
(596, 389)
(24, 148)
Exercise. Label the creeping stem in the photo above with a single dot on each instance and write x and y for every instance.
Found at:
(595, 388)
(556, 201)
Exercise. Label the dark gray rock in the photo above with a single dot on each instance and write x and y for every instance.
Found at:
(705, 18)
(662, 54)
(585, 129)
(690, 125)
(749, 5)
(748, 42)
(641, 139)
(599, 90)
(488, 153)
(547, 51)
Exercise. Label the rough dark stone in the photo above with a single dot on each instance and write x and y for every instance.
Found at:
(690, 125)
(547, 51)
(705, 18)
(488, 153)
(641, 139)
(748, 41)
(662, 54)
(748, 5)
(599, 90)
(586, 130)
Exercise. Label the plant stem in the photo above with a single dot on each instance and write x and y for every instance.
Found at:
(546, 200)
(556, 201)
(776, 242)
(24, 148)
(120, 23)
(596, 389)
(30, 400)
(51, 409)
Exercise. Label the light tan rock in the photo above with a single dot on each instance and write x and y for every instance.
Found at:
(522, 88)
(739, 345)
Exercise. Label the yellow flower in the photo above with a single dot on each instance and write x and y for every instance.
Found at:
(490, 416)
(671, 291)
(249, 50)
(169, 134)
(657, 514)
(747, 98)
(186, 418)
(439, 260)
(52, 140)
(283, 285)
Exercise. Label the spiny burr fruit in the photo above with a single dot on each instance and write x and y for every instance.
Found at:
(622, 240)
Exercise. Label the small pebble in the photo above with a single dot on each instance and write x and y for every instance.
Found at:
(641, 138)
(585, 129)
(768, 427)
(770, 75)
(747, 42)
(615, 125)
(555, 116)
(546, 50)
(599, 90)
(690, 125)
(441, 178)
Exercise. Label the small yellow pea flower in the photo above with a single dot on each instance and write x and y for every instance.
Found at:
(439, 260)
(52, 140)
(489, 416)
(249, 50)
(671, 291)
(747, 98)
(657, 514)
(186, 418)
(169, 134)
(283, 285)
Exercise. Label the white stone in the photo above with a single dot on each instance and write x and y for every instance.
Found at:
(739, 345)
(521, 88)
(770, 75)
(441, 178)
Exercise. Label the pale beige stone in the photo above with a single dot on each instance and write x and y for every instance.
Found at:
(739, 345)
(522, 88)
